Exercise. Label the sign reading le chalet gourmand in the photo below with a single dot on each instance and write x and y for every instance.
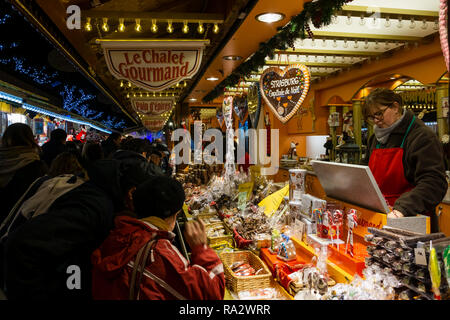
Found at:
(153, 64)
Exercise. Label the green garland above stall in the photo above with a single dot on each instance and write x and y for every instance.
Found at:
(319, 12)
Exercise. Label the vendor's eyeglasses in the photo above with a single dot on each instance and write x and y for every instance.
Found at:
(379, 115)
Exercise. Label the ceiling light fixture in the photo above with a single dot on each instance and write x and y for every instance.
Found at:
(105, 26)
(169, 27)
(270, 17)
(138, 26)
(121, 27)
(154, 27)
(232, 57)
(185, 27)
(88, 26)
(212, 78)
(192, 99)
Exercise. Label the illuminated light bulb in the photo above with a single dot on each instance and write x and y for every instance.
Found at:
(121, 83)
(334, 43)
(412, 24)
(349, 19)
(148, 95)
(141, 94)
(356, 45)
(216, 28)
(178, 84)
(436, 25)
(138, 26)
(105, 26)
(362, 21)
(88, 25)
(169, 27)
(366, 44)
(134, 95)
(185, 84)
(387, 24)
(400, 23)
(129, 84)
(185, 27)
(154, 27)
(200, 28)
(128, 95)
(424, 24)
(121, 27)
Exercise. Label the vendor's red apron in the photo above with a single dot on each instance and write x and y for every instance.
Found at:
(387, 168)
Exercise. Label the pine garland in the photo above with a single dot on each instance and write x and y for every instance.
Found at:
(319, 13)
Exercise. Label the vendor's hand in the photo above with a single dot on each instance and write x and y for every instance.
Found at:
(195, 234)
(395, 214)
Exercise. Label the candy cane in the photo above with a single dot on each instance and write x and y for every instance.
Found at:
(443, 32)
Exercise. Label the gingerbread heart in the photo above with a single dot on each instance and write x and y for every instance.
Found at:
(285, 90)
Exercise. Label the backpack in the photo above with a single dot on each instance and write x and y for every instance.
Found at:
(41, 194)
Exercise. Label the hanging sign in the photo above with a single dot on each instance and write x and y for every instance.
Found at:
(254, 104)
(240, 108)
(154, 124)
(220, 119)
(153, 64)
(152, 106)
(285, 90)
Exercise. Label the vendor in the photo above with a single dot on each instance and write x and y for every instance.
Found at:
(405, 157)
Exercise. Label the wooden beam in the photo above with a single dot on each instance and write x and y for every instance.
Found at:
(114, 16)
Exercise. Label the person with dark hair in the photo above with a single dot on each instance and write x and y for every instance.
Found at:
(92, 151)
(41, 253)
(111, 144)
(20, 165)
(405, 157)
(66, 163)
(55, 146)
(139, 261)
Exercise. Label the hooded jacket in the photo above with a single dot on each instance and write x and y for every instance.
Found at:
(19, 167)
(167, 274)
(423, 164)
(42, 254)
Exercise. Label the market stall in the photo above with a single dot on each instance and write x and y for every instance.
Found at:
(278, 241)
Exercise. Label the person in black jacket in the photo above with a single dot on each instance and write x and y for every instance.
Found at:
(45, 253)
(20, 165)
(55, 146)
(111, 144)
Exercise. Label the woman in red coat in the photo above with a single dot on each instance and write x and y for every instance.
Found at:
(147, 241)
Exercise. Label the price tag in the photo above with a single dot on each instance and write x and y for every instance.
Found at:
(420, 256)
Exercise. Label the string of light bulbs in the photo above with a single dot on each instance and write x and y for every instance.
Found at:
(170, 28)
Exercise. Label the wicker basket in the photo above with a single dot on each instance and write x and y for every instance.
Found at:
(226, 237)
(240, 283)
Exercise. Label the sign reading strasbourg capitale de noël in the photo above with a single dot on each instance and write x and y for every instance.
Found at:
(153, 64)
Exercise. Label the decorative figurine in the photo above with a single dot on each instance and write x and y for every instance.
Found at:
(337, 221)
(351, 224)
(293, 151)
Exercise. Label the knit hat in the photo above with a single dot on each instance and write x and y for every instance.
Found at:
(158, 196)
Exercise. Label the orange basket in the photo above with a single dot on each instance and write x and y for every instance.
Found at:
(240, 283)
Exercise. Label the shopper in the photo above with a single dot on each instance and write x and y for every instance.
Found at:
(147, 240)
(66, 163)
(111, 144)
(20, 165)
(55, 146)
(54, 248)
(405, 157)
(92, 151)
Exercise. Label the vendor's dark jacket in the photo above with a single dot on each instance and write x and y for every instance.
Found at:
(39, 252)
(423, 163)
